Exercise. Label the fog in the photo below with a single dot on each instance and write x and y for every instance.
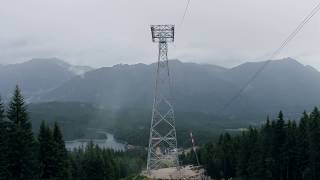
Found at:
(107, 32)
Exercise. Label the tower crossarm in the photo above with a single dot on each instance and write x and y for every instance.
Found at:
(162, 33)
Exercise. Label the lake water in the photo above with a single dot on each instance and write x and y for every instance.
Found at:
(110, 143)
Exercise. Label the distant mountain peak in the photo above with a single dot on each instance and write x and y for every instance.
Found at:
(75, 69)
(38, 75)
(175, 61)
(283, 61)
(53, 60)
(287, 60)
(311, 68)
(120, 65)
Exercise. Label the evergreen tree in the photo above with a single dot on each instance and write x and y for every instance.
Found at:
(111, 171)
(209, 158)
(243, 157)
(227, 156)
(2, 115)
(266, 158)
(62, 163)
(279, 150)
(76, 158)
(21, 158)
(46, 152)
(314, 144)
(3, 143)
(254, 156)
(290, 151)
(93, 164)
(303, 146)
(278, 147)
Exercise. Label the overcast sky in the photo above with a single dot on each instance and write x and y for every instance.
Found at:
(107, 32)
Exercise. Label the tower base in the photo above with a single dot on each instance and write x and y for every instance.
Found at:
(186, 172)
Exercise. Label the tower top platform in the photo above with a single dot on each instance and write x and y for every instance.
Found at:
(162, 33)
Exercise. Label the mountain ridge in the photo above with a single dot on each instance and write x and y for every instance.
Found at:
(199, 87)
(283, 84)
(36, 76)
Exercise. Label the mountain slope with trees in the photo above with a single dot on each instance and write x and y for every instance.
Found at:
(25, 157)
(284, 84)
(278, 150)
(130, 125)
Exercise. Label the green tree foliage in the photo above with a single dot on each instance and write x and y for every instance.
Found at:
(22, 147)
(278, 150)
(96, 163)
(53, 157)
(314, 143)
(62, 163)
(93, 163)
(3, 143)
(303, 145)
(24, 158)
(2, 115)
(46, 152)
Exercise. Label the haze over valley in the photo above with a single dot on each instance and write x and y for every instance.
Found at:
(157, 90)
(108, 97)
(285, 84)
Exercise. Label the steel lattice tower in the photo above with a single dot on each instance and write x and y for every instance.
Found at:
(163, 151)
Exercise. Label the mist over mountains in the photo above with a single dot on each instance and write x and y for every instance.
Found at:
(37, 76)
(284, 84)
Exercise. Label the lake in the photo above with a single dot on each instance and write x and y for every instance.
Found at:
(110, 142)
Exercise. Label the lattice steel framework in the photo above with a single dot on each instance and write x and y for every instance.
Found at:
(163, 151)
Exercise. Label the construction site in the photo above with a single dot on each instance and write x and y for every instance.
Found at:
(185, 172)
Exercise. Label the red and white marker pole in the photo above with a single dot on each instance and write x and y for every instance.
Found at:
(194, 148)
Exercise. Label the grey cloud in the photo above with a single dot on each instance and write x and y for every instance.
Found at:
(107, 32)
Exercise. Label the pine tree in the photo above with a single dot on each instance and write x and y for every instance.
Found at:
(3, 144)
(61, 155)
(314, 139)
(227, 156)
(76, 161)
(2, 115)
(266, 158)
(243, 156)
(110, 165)
(254, 153)
(93, 164)
(211, 160)
(303, 145)
(279, 150)
(21, 157)
(46, 152)
(278, 145)
(290, 151)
